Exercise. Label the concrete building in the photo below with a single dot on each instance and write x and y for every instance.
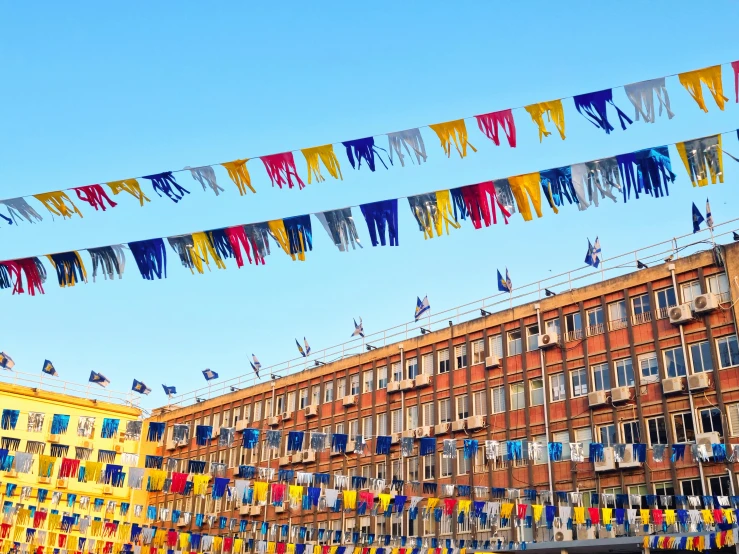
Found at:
(649, 357)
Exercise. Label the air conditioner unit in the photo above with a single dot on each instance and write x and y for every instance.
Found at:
(608, 463)
(255, 510)
(424, 432)
(562, 535)
(284, 460)
(548, 340)
(406, 384)
(351, 446)
(628, 459)
(311, 411)
(705, 303)
(297, 457)
(672, 385)
(350, 400)
(272, 421)
(442, 428)
(393, 386)
(707, 439)
(395, 438)
(409, 434)
(492, 361)
(309, 456)
(423, 380)
(458, 425)
(242, 424)
(585, 533)
(245, 510)
(287, 416)
(698, 381)
(55, 438)
(280, 509)
(475, 422)
(620, 394)
(604, 533)
(597, 398)
(680, 314)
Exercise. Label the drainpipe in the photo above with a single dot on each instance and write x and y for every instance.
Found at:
(546, 401)
(269, 451)
(678, 296)
(402, 426)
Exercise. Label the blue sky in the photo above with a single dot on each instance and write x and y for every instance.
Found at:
(103, 92)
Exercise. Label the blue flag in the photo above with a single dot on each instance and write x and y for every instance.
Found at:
(592, 258)
(307, 346)
(209, 374)
(255, 365)
(99, 379)
(6, 362)
(140, 387)
(697, 218)
(709, 217)
(422, 306)
(49, 368)
(505, 285)
(358, 329)
(169, 391)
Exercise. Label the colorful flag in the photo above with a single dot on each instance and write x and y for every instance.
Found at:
(358, 329)
(422, 306)
(307, 346)
(99, 379)
(505, 285)
(209, 374)
(169, 391)
(300, 348)
(697, 218)
(709, 217)
(593, 256)
(49, 368)
(6, 362)
(140, 387)
(255, 365)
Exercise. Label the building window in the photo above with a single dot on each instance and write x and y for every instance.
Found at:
(573, 326)
(427, 364)
(411, 366)
(429, 467)
(584, 436)
(607, 434)
(428, 414)
(692, 487)
(460, 356)
(479, 405)
(657, 430)
(642, 309)
(663, 489)
(563, 437)
(728, 351)
(340, 388)
(412, 417)
(413, 468)
(381, 377)
(579, 382)
(496, 346)
(445, 412)
(268, 408)
(315, 394)
(631, 432)
(498, 394)
(396, 421)
(514, 342)
(675, 362)
(397, 372)
(665, 301)
(624, 372)
(690, 290)
(445, 465)
(719, 285)
(684, 429)
(719, 486)
(594, 318)
(557, 386)
(552, 327)
(648, 367)
(367, 429)
(532, 337)
(641, 491)
(537, 392)
(463, 407)
(369, 381)
(518, 398)
(444, 361)
(257, 411)
(354, 428)
(328, 392)
(617, 315)
(478, 352)
(463, 464)
(601, 377)
(711, 421)
(382, 425)
(381, 470)
(700, 357)
(354, 384)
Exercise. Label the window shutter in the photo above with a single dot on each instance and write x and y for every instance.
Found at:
(397, 422)
(444, 410)
(428, 414)
(479, 406)
(428, 364)
(733, 410)
(498, 400)
(496, 345)
(444, 355)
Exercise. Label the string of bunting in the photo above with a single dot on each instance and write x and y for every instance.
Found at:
(633, 175)
(282, 171)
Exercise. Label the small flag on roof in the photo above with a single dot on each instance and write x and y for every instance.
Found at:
(358, 329)
(169, 391)
(99, 379)
(709, 217)
(592, 258)
(505, 285)
(6, 362)
(140, 387)
(49, 368)
(422, 306)
(697, 218)
(303, 351)
(255, 365)
(209, 374)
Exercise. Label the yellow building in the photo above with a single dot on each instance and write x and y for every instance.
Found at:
(66, 463)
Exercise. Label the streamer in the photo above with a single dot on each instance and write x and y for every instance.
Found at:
(642, 95)
(703, 158)
(95, 196)
(130, 186)
(523, 185)
(239, 174)
(314, 156)
(711, 77)
(281, 170)
(410, 140)
(593, 106)
(478, 203)
(653, 172)
(221, 243)
(237, 239)
(18, 208)
(299, 234)
(339, 225)
(58, 203)
(30, 268)
(151, 258)
(591, 178)
(555, 114)
(110, 259)
(206, 176)
(381, 216)
(165, 183)
(453, 131)
(69, 268)
(735, 67)
(363, 149)
(490, 123)
(258, 235)
(557, 186)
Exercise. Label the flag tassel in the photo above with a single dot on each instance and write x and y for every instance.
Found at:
(593, 106)
(491, 123)
(151, 258)
(95, 196)
(281, 170)
(33, 271)
(363, 149)
(111, 260)
(69, 268)
(165, 183)
(410, 140)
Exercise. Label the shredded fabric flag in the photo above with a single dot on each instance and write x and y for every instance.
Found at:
(258, 236)
(130, 186)
(410, 140)
(595, 180)
(381, 216)
(478, 203)
(711, 77)
(58, 203)
(151, 258)
(165, 183)
(491, 123)
(195, 251)
(206, 176)
(642, 95)
(110, 260)
(453, 131)
(322, 154)
(702, 158)
(363, 149)
(18, 208)
(30, 268)
(557, 186)
(339, 225)
(281, 170)
(239, 174)
(525, 187)
(299, 235)
(555, 114)
(653, 172)
(69, 268)
(95, 196)
(593, 106)
(432, 211)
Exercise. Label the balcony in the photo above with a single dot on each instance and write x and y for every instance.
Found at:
(639, 319)
(616, 324)
(575, 334)
(597, 329)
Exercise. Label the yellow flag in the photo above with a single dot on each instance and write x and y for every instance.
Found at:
(131, 186)
(58, 203)
(523, 186)
(711, 77)
(239, 175)
(644, 514)
(607, 514)
(384, 502)
(554, 112)
(350, 499)
(700, 162)
(260, 491)
(578, 513)
(445, 212)
(669, 517)
(200, 483)
(202, 250)
(325, 154)
(453, 131)
(506, 510)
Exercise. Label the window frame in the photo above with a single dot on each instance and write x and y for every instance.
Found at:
(558, 391)
(582, 377)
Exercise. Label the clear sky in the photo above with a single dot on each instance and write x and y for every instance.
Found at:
(95, 92)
